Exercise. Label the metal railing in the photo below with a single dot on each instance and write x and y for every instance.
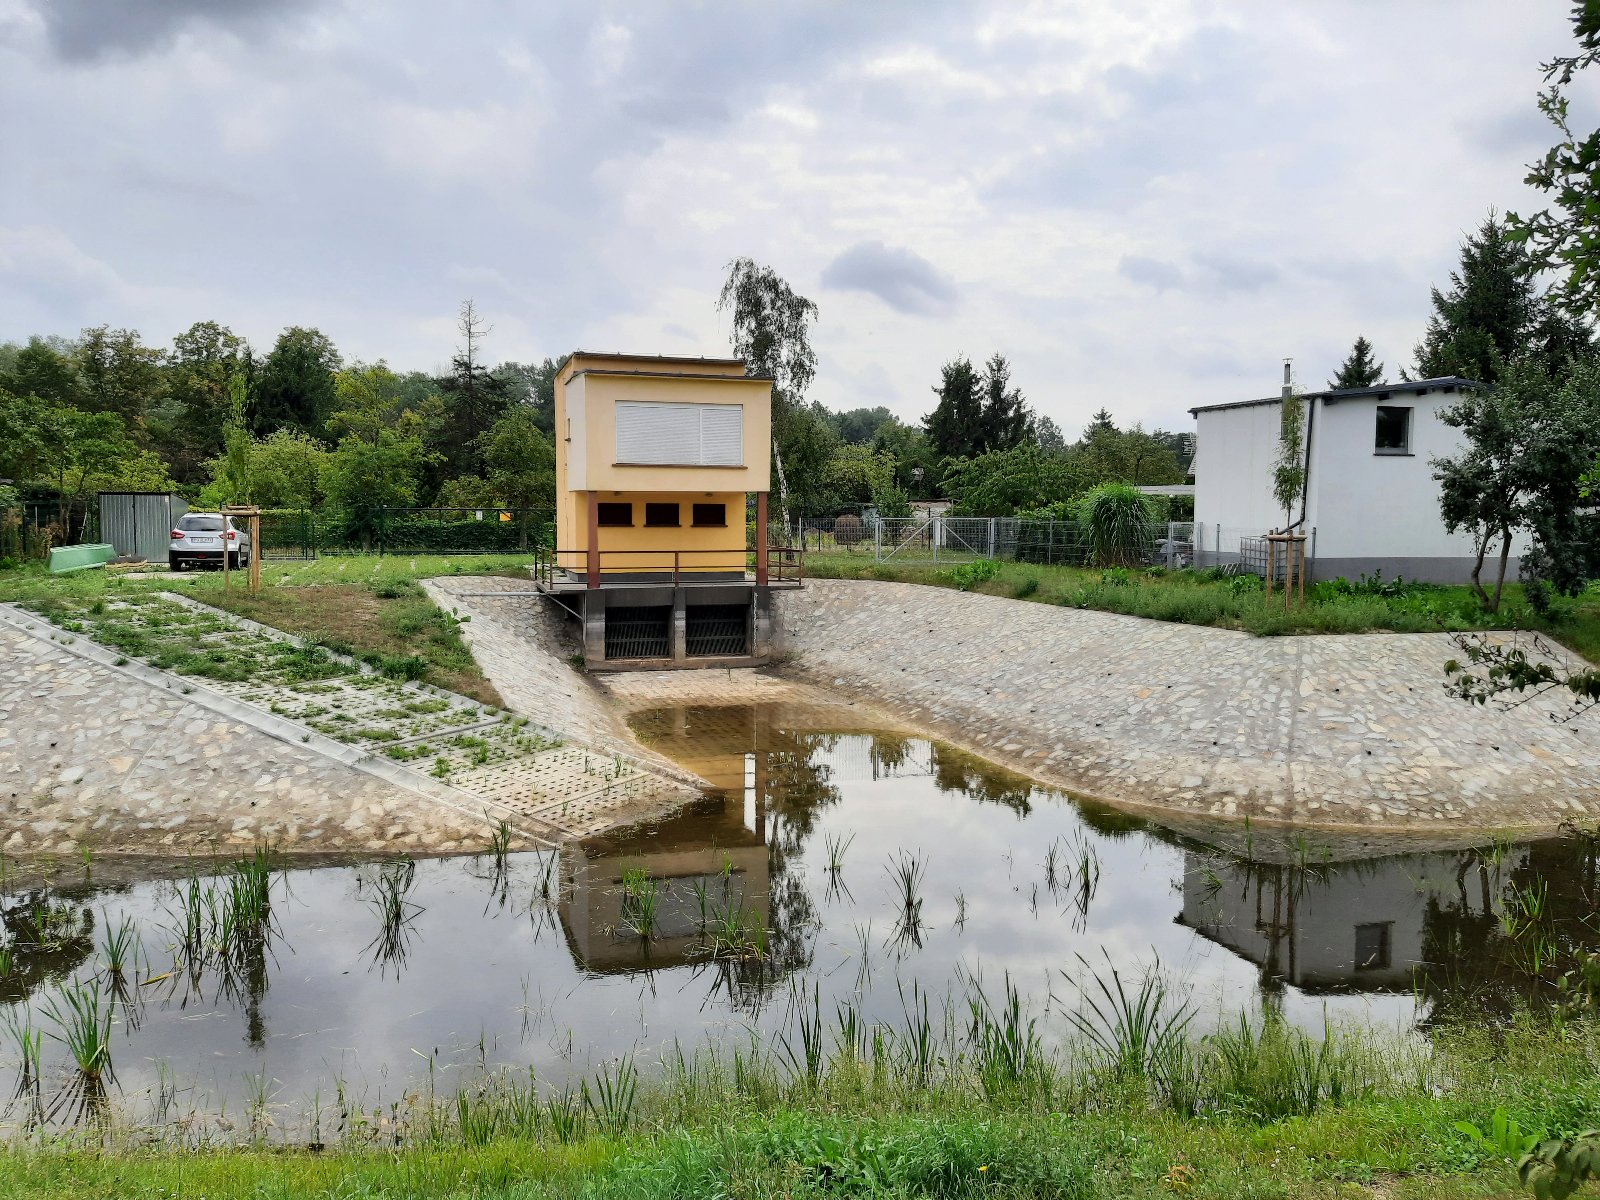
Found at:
(561, 570)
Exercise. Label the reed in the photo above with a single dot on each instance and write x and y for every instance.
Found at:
(641, 897)
(389, 898)
(82, 1017)
(610, 1101)
(834, 847)
(118, 948)
(1131, 1029)
(906, 873)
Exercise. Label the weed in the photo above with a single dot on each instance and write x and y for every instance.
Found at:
(834, 847)
(612, 1098)
(83, 1024)
(640, 898)
(1133, 1030)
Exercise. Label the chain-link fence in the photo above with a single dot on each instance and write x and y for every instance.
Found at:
(381, 529)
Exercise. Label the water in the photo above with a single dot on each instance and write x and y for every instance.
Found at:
(532, 963)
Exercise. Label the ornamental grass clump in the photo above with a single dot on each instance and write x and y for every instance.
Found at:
(1116, 520)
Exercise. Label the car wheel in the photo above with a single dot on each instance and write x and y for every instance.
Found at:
(173, 564)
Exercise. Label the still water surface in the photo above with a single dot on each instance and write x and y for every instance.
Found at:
(532, 962)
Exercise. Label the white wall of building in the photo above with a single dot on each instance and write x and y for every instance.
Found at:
(1235, 452)
(1370, 505)
(1365, 511)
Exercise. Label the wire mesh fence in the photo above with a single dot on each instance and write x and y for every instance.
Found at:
(381, 529)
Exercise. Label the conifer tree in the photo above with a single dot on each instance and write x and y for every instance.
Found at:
(1360, 370)
(955, 426)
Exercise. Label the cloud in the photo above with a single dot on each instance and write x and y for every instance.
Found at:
(1152, 272)
(84, 30)
(901, 278)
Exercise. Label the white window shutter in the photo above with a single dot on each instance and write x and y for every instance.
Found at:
(680, 435)
(722, 435)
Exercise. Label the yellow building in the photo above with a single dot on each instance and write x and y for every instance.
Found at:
(657, 462)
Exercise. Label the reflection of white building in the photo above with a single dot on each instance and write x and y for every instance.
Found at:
(1354, 925)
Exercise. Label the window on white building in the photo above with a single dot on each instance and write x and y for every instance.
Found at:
(680, 435)
(1393, 430)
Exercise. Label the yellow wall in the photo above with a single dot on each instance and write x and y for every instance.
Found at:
(704, 548)
(587, 392)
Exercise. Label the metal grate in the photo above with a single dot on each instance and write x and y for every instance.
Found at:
(716, 630)
(644, 632)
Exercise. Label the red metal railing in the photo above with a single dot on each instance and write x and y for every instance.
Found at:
(784, 567)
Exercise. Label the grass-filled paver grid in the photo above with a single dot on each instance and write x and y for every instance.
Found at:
(503, 758)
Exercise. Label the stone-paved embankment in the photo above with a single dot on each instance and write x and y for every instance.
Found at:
(93, 756)
(1336, 731)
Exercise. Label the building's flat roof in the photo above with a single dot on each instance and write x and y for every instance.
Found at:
(1417, 387)
(701, 375)
(619, 356)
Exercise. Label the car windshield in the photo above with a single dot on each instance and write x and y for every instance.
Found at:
(193, 524)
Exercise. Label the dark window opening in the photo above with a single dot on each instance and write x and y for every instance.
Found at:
(1372, 946)
(661, 515)
(711, 514)
(616, 513)
(1393, 430)
(194, 524)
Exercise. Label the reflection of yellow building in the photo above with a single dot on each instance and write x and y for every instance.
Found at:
(706, 850)
(656, 461)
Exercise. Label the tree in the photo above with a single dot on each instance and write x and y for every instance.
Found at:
(1046, 433)
(522, 469)
(234, 477)
(474, 399)
(381, 453)
(915, 463)
(856, 474)
(1106, 454)
(1002, 482)
(1360, 370)
(295, 388)
(120, 374)
(1529, 441)
(1006, 419)
(200, 368)
(1289, 469)
(771, 332)
(1493, 313)
(1566, 236)
(285, 471)
(46, 370)
(858, 425)
(955, 426)
(534, 385)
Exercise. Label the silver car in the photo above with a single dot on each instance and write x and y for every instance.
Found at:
(198, 539)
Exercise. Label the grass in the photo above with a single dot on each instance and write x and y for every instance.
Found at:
(1190, 598)
(364, 605)
(986, 1110)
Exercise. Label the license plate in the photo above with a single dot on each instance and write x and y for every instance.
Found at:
(204, 541)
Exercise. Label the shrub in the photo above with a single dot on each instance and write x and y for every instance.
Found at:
(1116, 519)
(969, 575)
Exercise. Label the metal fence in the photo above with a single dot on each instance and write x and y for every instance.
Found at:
(381, 529)
(940, 539)
(30, 528)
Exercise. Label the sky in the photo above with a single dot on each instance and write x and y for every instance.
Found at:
(1144, 204)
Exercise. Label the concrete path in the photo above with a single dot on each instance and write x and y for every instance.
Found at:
(1337, 731)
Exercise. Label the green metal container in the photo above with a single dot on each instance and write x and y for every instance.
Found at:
(80, 558)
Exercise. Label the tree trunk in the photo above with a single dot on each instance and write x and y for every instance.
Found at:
(1481, 544)
(1505, 554)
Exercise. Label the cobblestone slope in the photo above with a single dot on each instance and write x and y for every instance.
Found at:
(1336, 731)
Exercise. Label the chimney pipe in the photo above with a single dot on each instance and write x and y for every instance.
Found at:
(1288, 385)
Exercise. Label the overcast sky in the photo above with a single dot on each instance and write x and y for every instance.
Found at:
(1144, 204)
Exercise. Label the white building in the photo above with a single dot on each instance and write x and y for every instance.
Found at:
(1371, 502)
